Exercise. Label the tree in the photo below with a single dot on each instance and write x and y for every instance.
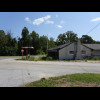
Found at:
(71, 36)
(8, 44)
(51, 43)
(26, 41)
(43, 43)
(2, 42)
(67, 37)
(87, 39)
(61, 39)
(35, 41)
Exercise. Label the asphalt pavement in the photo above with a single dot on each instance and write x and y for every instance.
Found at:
(14, 73)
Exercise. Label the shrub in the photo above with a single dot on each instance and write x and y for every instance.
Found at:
(49, 58)
(91, 58)
(85, 59)
(88, 57)
(31, 59)
(40, 52)
(95, 58)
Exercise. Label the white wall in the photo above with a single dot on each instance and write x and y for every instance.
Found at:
(64, 52)
(88, 51)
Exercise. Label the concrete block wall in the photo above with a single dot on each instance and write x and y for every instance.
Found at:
(88, 51)
(64, 52)
(65, 55)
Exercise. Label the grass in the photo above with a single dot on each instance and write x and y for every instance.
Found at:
(39, 55)
(43, 58)
(72, 80)
(10, 56)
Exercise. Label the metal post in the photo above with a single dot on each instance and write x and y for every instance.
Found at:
(26, 53)
(22, 55)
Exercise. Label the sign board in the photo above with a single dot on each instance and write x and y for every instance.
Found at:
(22, 50)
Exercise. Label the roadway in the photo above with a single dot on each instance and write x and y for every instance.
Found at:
(14, 73)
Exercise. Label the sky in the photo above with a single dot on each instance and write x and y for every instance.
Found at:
(51, 24)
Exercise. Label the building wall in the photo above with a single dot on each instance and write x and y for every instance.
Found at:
(65, 55)
(88, 51)
(96, 53)
(64, 52)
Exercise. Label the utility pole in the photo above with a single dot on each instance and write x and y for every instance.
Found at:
(47, 44)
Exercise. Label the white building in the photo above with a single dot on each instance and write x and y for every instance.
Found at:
(75, 50)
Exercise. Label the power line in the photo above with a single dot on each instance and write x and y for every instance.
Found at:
(93, 28)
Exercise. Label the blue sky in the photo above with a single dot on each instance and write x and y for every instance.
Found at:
(51, 23)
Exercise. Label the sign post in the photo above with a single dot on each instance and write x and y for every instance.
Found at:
(22, 53)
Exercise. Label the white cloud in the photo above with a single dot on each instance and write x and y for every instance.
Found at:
(95, 19)
(28, 20)
(49, 22)
(38, 21)
(46, 17)
(59, 26)
(41, 20)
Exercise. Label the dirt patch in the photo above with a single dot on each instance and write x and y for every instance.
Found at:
(77, 84)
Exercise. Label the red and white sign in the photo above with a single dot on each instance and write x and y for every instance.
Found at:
(22, 50)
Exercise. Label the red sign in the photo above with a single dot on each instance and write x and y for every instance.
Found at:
(22, 50)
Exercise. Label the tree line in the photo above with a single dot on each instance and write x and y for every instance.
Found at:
(10, 46)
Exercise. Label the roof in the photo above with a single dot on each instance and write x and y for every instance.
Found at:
(90, 46)
(93, 46)
(28, 47)
(59, 47)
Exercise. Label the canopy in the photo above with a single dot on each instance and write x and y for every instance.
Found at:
(28, 47)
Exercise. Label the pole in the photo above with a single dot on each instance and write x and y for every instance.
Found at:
(22, 55)
(47, 44)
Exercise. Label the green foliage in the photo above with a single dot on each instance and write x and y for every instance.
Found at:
(8, 44)
(61, 39)
(67, 37)
(91, 58)
(35, 41)
(40, 52)
(43, 43)
(83, 79)
(85, 59)
(71, 36)
(49, 58)
(51, 43)
(31, 59)
(87, 39)
(12, 46)
(95, 58)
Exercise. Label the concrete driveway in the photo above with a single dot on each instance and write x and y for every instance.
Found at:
(16, 73)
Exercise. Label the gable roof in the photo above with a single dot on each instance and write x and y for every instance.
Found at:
(59, 47)
(93, 46)
(90, 46)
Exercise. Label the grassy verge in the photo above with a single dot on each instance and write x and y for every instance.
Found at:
(72, 80)
(10, 56)
(33, 58)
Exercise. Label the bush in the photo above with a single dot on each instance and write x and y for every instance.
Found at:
(40, 52)
(85, 59)
(91, 58)
(31, 59)
(88, 57)
(49, 58)
(95, 58)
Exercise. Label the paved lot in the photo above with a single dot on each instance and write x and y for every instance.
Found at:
(15, 73)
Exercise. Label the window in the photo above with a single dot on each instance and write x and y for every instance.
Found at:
(71, 52)
(83, 52)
